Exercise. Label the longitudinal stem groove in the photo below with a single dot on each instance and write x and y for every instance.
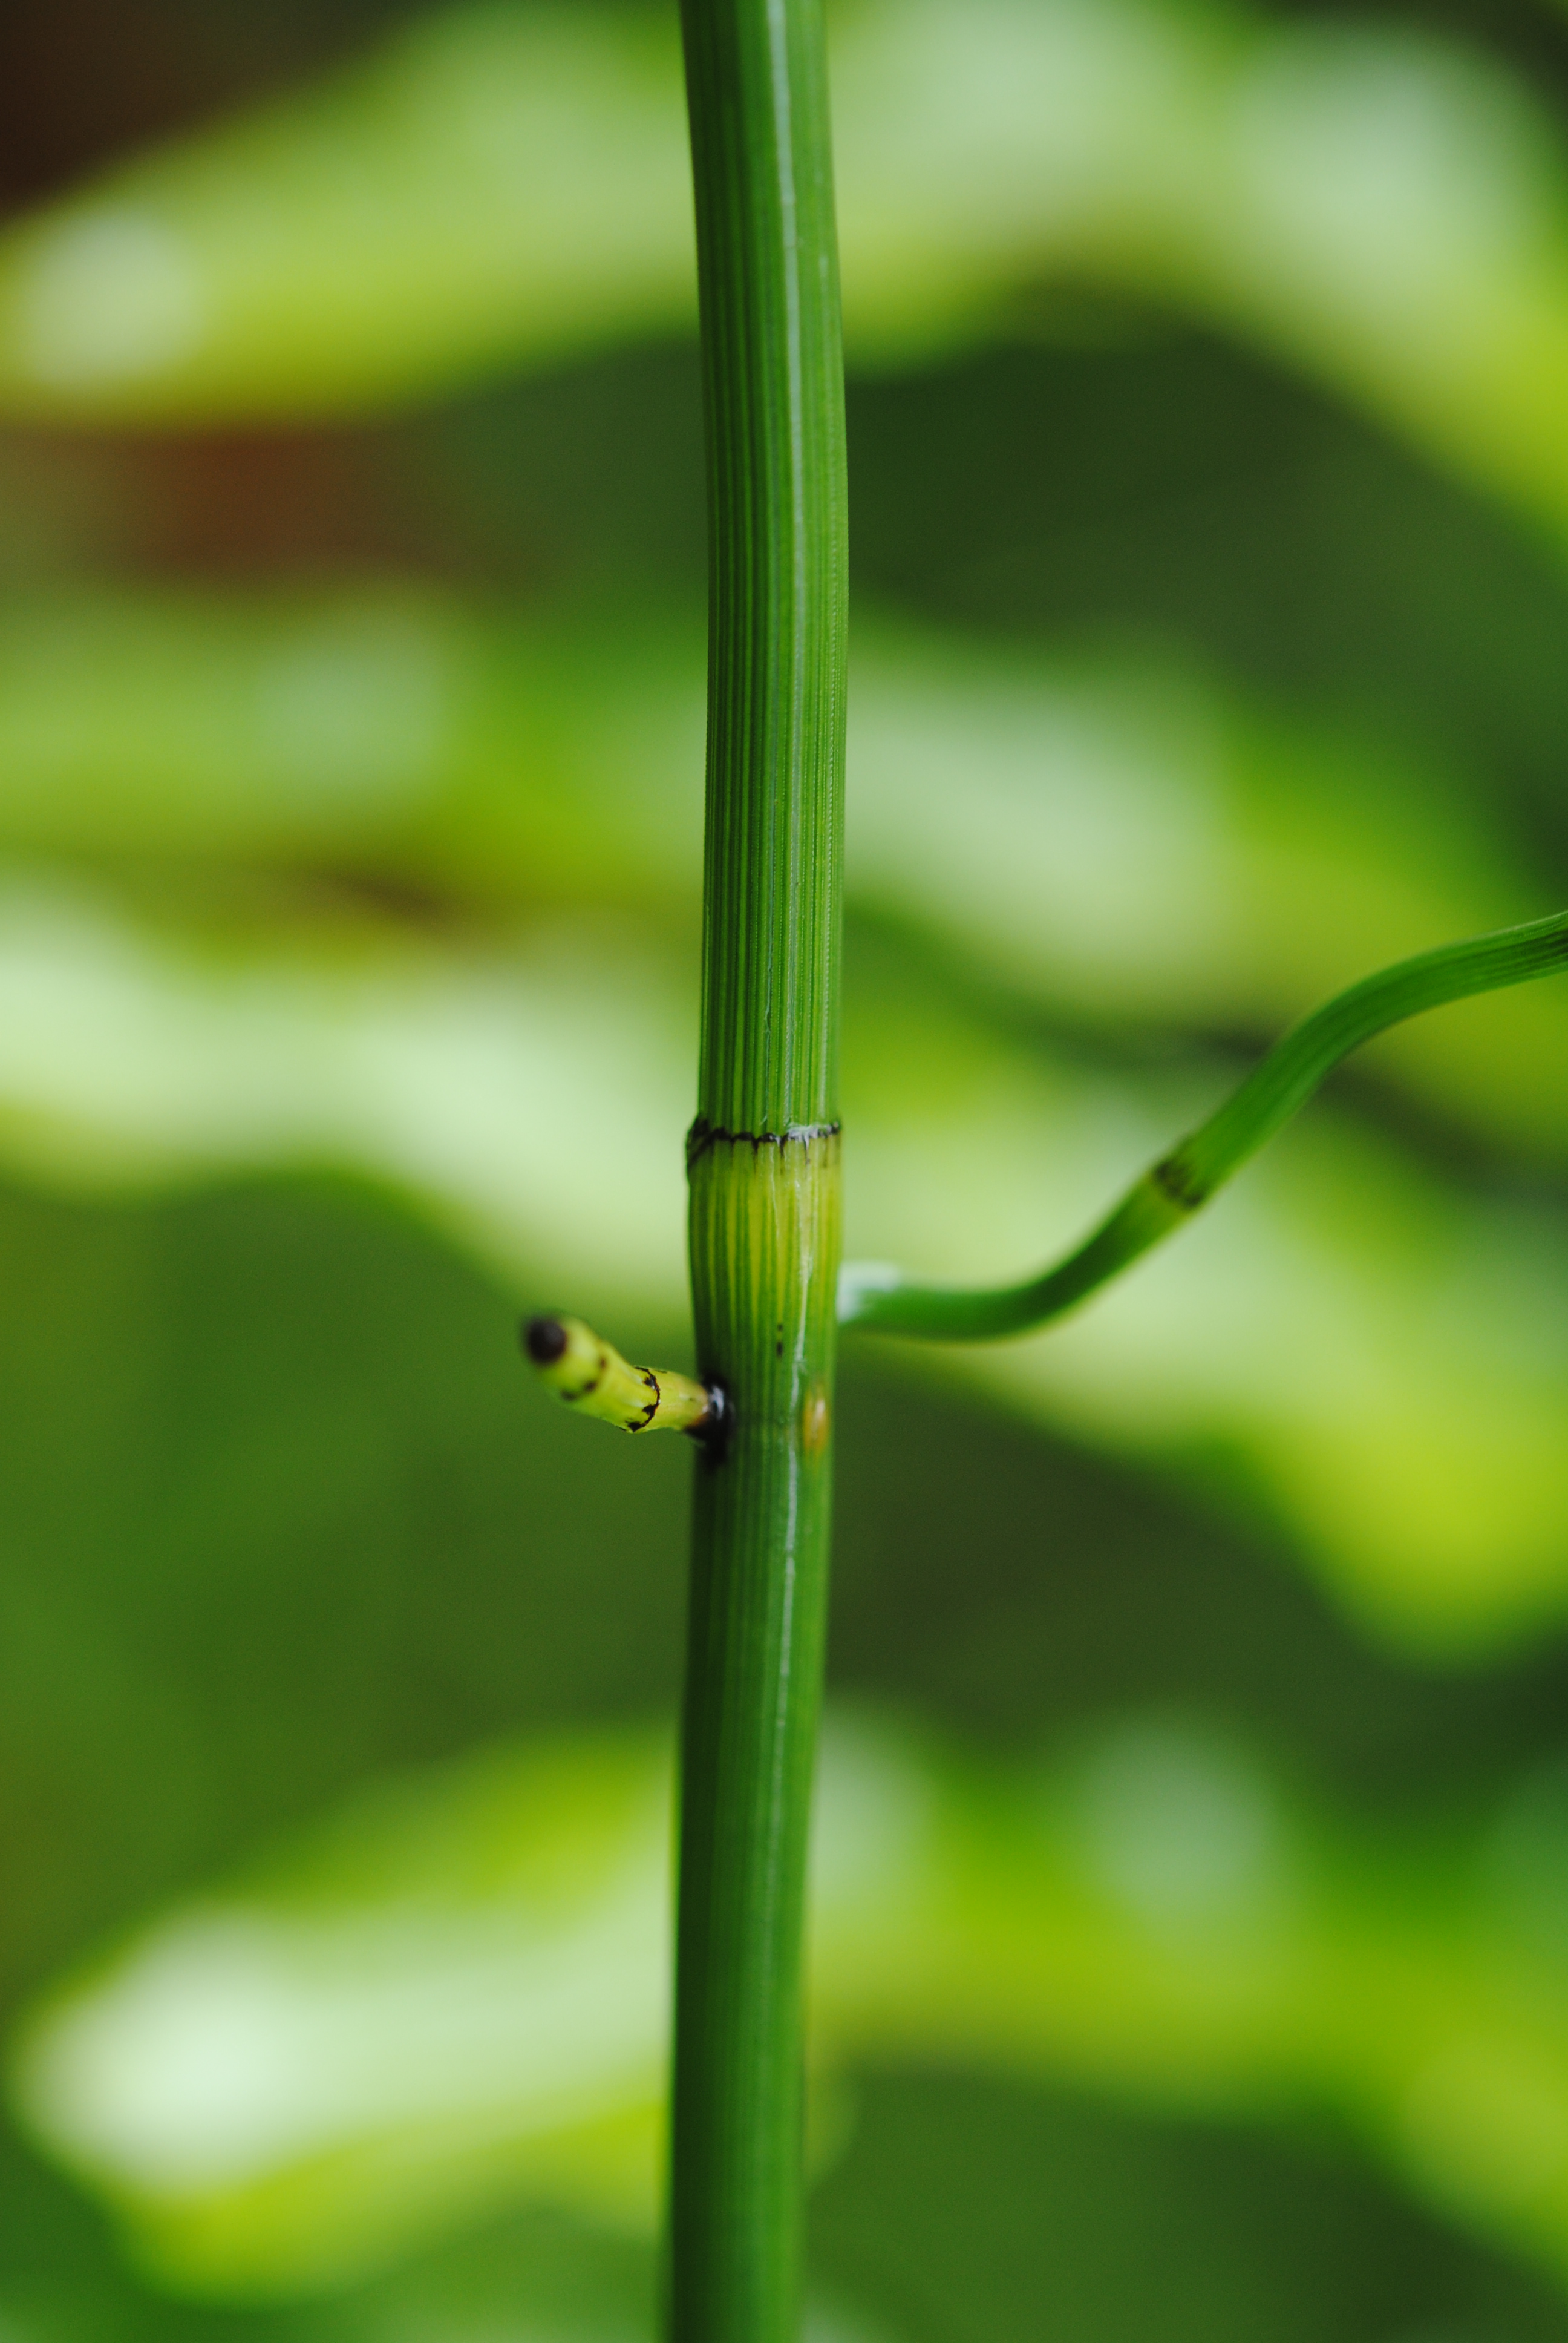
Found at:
(773, 375)
(763, 1157)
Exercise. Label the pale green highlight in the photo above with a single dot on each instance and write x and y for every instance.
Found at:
(1129, 838)
(1423, 1479)
(497, 190)
(1154, 1913)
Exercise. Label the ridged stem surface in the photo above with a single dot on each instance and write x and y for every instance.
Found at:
(764, 1159)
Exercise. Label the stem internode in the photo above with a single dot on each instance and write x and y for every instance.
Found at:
(764, 1159)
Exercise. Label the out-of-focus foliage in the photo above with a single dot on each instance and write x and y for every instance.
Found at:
(267, 1468)
(459, 1993)
(502, 186)
(1118, 838)
(1409, 1430)
(1122, 842)
(349, 800)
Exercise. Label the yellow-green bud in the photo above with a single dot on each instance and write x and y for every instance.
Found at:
(590, 1375)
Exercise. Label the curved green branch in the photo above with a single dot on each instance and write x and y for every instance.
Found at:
(1180, 1183)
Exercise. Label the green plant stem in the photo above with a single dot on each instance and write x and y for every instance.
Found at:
(1168, 1194)
(764, 1155)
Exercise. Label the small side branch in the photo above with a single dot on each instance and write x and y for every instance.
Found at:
(586, 1371)
(884, 1301)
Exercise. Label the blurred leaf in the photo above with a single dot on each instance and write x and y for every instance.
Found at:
(522, 177)
(524, 1106)
(962, 2204)
(279, 1515)
(965, 2204)
(535, 2276)
(453, 1995)
(1115, 837)
(1384, 1362)
(383, 729)
(282, 1513)
(499, 187)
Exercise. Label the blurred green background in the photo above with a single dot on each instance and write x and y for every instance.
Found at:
(1191, 1942)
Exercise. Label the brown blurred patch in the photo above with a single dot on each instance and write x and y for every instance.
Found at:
(83, 81)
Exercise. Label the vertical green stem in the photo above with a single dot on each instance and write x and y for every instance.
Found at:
(764, 1152)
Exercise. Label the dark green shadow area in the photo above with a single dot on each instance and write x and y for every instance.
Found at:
(1011, 1587)
(964, 2211)
(1121, 480)
(1166, 490)
(282, 1508)
(973, 2212)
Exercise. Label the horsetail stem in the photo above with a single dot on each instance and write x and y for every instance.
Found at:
(764, 1152)
(763, 1163)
